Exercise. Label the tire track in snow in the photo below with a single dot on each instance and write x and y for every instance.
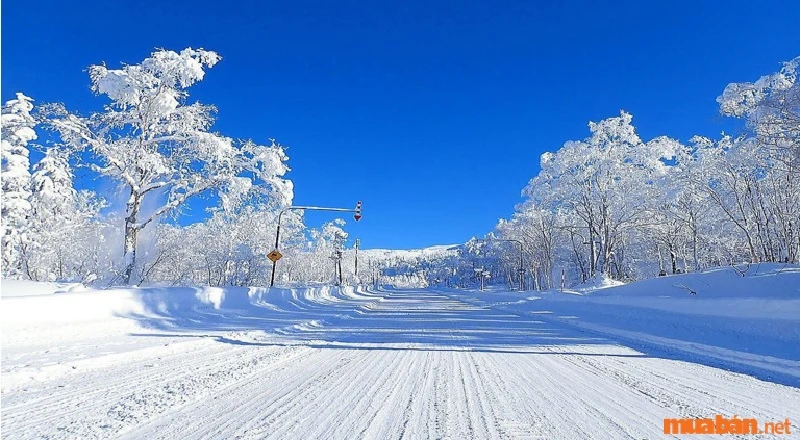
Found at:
(697, 390)
(98, 408)
(83, 389)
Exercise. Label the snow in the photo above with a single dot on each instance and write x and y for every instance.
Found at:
(597, 283)
(11, 288)
(352, 362)
(750, 323)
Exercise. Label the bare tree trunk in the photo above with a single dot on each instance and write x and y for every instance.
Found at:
(673, 258)
(131, 234)
(578, 258)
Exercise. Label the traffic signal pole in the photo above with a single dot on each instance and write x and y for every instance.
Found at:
(356, 216)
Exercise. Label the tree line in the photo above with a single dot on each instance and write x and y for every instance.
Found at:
(615, 205)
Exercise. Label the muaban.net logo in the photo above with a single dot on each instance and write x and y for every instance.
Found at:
(723, 425)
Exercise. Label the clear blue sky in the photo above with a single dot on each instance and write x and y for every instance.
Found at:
(434, 113)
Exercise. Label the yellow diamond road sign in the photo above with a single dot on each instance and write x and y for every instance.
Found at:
(274, 255)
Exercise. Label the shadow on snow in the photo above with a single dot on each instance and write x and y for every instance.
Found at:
(356, 319)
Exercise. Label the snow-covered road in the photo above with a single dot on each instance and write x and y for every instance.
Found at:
(390, 364)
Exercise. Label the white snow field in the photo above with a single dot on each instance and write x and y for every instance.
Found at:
(324, 362)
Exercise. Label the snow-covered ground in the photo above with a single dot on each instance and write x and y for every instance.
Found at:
(323, 362)
(749, 324)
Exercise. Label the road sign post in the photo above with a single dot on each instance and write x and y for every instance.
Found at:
(274, 256)
(481, 274)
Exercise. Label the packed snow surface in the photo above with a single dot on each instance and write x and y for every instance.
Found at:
(324, 362)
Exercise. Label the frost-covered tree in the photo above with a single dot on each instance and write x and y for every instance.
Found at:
(51, 184)
(315, 262)
(537, 229)
(760, 173)
(758, 200)
(606, 182)
(613, 204)
(63, 223)
(771, 108)
(159, 148)
(228, 248)
(17, 131)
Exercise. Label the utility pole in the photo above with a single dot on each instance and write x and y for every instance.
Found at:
(339, 258)
(338, 252)
(358, 242)
(275, 255)
(333, 259)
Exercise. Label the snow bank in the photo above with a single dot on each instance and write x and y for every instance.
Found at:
(10, 288)
(41, 309)
(597, 283)
(760, 280)
(749, 323)
(51, 330)
(48, 304)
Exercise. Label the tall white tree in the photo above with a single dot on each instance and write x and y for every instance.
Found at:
(763, 169)
(607, 182)
(63, 223)
(159, 148)
(17, 131)
(758, 199)
(771, 108)
(537, 229)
